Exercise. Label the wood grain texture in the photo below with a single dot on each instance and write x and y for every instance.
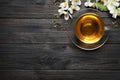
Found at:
(60, 75)
(32, 48)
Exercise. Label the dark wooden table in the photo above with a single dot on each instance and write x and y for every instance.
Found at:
(34, 47)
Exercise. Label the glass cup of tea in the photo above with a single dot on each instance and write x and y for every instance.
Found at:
(87, 29)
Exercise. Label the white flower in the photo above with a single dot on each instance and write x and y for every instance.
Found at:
(76, 2)
(88, 3)
(114, 13)
(63, 7)
(67, 7)
(74, 7)
(67, 15)
(112, 7)
(61, 11)
(111, 4)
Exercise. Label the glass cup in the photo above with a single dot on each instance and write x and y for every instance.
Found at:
(87, 29)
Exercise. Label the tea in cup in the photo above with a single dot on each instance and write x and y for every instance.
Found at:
(89, 28)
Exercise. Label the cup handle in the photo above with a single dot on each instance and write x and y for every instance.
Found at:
(107, 28)
(113, 25)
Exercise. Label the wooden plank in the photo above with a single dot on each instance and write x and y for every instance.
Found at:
(46, 36)
(40, 23)
(31, 48)
(27, 9)
(41, 31)
(49, 37)
(25, 2)
(60, 75)
(31, 9)
(55, 47)
(68, 48)
(58, 57)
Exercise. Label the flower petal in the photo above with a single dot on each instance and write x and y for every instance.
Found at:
(86, 4)
(70, 16)
(66, 0)
(62, 4)
(112, 11)
(76, 2)
(71, 10)
(110, 7)
(116, 4)
(60, 11)
(66, 17)
(114, 16)
(77, 8)
(79, 2)
(90, 4)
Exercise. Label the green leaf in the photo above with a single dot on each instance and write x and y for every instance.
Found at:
(118, 11)
(101, 6)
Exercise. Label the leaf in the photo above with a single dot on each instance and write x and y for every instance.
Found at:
(101, 6)
(118, 11)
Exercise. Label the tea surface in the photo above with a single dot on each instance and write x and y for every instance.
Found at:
(89, 28)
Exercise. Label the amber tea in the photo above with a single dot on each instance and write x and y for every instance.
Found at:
(89, 28)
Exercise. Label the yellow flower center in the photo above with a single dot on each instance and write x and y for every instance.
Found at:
(102, 1)
(111, 3)
(65, 3)
(75, 0)
(73, 7)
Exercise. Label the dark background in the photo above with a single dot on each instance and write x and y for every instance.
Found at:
(34, 47)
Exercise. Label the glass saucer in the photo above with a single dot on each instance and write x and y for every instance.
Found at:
(76, 41)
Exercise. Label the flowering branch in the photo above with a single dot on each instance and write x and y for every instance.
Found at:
(113, 6)
(68, 7)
